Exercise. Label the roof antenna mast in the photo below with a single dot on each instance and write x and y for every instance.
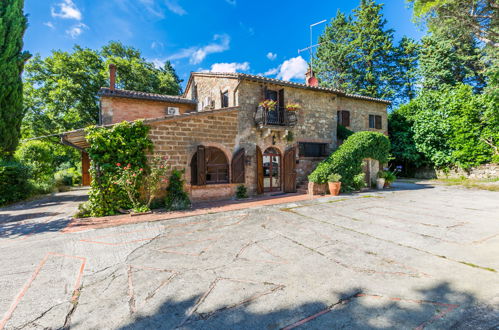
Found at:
(311, 50)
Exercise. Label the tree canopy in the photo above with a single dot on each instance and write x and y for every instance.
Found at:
(61, 89)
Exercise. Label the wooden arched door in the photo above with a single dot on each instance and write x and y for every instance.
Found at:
(259, 171)
(289, 172)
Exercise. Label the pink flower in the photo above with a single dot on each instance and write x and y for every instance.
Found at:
(141, 169)
(162, 166)
(129, 165)
(134, 174)
(118, 164)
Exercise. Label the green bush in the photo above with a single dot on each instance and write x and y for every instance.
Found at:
(176, 196)
(359, 181)
(67, 177)
(241, 192)
(343, 133)
(14, 182)
(40, 157)
(347, 160)
(124, 143)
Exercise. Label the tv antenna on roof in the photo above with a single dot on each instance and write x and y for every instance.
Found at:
(311, 49)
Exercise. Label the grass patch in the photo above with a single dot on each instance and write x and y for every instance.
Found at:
(491, 184)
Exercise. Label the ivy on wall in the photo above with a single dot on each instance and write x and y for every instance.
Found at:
(124, 143)
(347, 160)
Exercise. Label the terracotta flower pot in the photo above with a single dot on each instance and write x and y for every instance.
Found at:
(334, 188)
(317, 188)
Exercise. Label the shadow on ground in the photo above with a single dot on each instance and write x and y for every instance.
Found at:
(439, 306)
(19, 230)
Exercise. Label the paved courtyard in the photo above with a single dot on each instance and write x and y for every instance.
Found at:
(419, 256)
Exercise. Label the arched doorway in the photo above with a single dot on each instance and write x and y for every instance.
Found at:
(272, 168)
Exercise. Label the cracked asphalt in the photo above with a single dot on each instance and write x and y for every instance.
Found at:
(418, 256)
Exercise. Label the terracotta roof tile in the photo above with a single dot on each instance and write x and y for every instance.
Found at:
(251, 77)
(143, 96)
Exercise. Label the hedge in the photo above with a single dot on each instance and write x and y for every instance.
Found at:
(14, 184)
(347, 159)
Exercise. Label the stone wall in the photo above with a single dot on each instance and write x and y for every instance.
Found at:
(360, 111)
(178, 138)
(117, 109)
(208, 87)
(485, 171)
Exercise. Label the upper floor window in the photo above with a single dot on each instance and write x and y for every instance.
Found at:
(344, 118)
(225, 99)
(375, 122)
(309, 149)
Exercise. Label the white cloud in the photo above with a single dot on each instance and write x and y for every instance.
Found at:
(174, 7)
(197, 54)
(152, 8)
(271, 56)
(157, 45)
(49, 24)
(66, 9)
(270, 72)
(230, 67)
(76, 30)
(231, 2)
(294, 68)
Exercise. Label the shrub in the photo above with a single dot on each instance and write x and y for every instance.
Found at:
(39, 156)
(14, 182)
(347, 160)
(176, 196)
(333, 177)
(241, 192)
(343, 133)
(390, 176)
(67, 177)
(125, 143)
(359, 181)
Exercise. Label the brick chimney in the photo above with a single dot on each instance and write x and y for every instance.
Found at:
(112, 76)
(310, 79)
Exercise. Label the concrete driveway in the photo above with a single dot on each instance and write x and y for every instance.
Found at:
(420, 256)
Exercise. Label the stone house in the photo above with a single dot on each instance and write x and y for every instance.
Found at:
(217, 132)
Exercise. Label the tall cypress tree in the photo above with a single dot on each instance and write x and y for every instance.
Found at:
(335, 54)
(13, 23)
(357, 55)
(375, 46)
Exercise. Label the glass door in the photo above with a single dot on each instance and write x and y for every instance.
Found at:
(272, 170)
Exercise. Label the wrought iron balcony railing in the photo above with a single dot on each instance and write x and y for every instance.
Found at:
(277, 117)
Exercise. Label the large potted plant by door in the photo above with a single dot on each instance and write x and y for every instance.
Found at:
(317, 182)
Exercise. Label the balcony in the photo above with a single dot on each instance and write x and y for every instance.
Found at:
(279, 116)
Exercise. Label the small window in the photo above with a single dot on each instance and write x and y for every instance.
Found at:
(344, 118)
(308, 149)
(375, 122)
(225, 99)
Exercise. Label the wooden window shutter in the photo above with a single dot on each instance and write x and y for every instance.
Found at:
(201, 166)
(238, 171)
(264, 92)
(345, 118)
(377, 123)
(281, 99)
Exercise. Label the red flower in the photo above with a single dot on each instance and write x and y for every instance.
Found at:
(141, 169)
(118, 164)
(129, 165)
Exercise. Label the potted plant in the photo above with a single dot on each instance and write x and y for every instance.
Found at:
(268, 104)
(317, 182)
(293, 106)
(389, 178)
(334, 184)
(380, 182)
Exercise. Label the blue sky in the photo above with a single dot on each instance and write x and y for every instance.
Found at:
(252, 36)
